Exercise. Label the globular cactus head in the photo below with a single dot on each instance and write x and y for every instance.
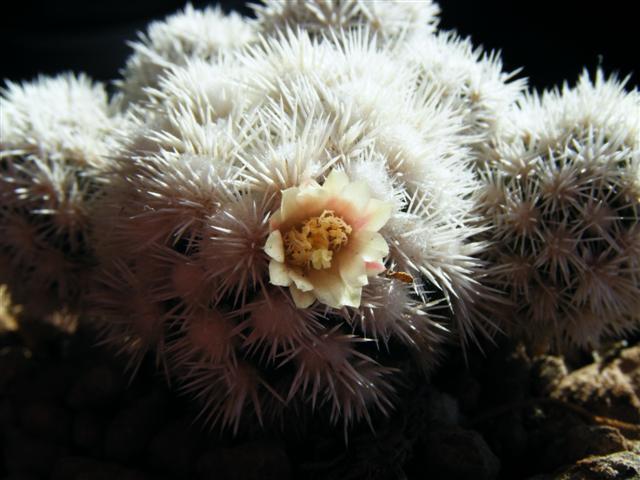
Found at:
(564, 196)
(57, 135)
(472, 79)
(284, 229)
(389, 20)
(188, 34)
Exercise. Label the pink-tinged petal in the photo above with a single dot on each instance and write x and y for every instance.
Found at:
(312, 200)
(353, 271)
(300, 298)
(374, 268)
(307, 203)
(335, 182)
(279, 274)
(357, 195)
(274, 246)
(275, 221)
(376, 215)
(301, 281)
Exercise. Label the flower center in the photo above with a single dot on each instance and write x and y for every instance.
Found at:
(314, 243)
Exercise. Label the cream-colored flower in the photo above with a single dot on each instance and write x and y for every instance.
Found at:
(324, 241)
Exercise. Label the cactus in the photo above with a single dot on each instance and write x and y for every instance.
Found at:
(389, 20)
(185, 35)
(564, 197)
(282, 229)
(57, 135)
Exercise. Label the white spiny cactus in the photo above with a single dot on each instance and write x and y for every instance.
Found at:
(391, 20)
(259, 201)
(188, 34)
(473, 79)
(564, 199)
(56, 138)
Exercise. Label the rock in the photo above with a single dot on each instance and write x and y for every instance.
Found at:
(14, 361)
(442, 409)
(546, 373)
(606, 390)
(28, 455)
(6, 413)
(617, 466)
(581, 441)
(455, 453)
(22, 476)
(629, 364)
(250, 461)
(50, 383)
(468, 391)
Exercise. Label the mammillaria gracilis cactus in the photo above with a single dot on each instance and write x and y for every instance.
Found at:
(251, 229)
(56, 136)
(564, 196)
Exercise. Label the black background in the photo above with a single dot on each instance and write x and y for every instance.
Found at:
(552, 40)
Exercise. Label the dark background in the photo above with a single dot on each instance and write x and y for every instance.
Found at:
(552, 40)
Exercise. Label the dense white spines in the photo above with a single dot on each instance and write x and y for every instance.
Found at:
(56, 138)
(565, 201)
(470, 78)
(187, 209)
(188, 34)
(388, 19)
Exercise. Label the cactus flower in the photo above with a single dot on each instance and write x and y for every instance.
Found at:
(324, 241)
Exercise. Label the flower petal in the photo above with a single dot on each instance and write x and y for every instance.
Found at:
(279, 274)
(327, 287)
(351, 297)
(276, 220)
(376, 215)
(353, 270)
(289, 203)
(274, 246)
(374, 268)
(300, 298)
(369, 246)
(358, 196)
(301, 281)
(335, 182)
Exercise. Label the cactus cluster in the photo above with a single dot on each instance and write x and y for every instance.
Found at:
(289, 213)
(563, 196)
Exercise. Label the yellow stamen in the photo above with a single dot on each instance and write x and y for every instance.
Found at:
(317, 239)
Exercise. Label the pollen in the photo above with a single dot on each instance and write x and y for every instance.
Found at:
(313, 244)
